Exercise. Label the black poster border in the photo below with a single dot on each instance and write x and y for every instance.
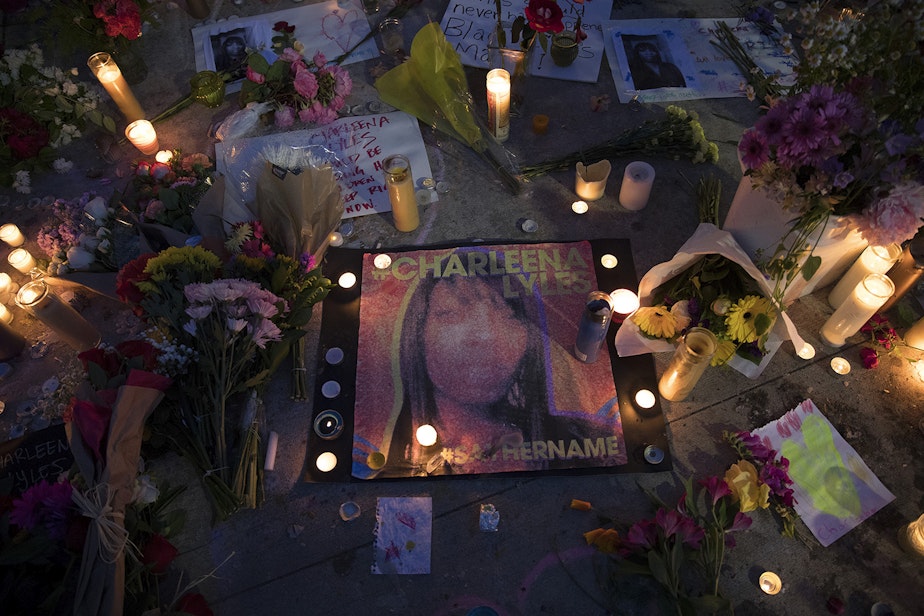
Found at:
(340, 329)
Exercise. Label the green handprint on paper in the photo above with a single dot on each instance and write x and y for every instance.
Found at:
(819, 469)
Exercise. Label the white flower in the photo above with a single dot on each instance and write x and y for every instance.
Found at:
(145, 491)
(79, 258)
(96, 208)
(23, 183)
(62, 165)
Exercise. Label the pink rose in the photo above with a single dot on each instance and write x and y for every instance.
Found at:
(254, 76)
(319, 59)
(290, 55)
(306, 84)
(870, 358)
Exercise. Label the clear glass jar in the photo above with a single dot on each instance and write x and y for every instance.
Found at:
(862, 303)
(400, 183)
(690, 360)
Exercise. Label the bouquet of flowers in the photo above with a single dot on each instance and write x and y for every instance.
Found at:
(538, 18)
(80, 236)
(312, 90)
(93, 25)
(42, 108)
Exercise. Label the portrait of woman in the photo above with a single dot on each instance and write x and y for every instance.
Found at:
(229, 50)
(648, 68)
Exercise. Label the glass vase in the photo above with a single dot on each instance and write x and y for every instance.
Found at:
(690, 360)
(565, 47)
(513, 57)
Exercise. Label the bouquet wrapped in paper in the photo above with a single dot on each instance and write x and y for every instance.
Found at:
(710, 282)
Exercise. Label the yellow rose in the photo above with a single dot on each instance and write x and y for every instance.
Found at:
(746, 488)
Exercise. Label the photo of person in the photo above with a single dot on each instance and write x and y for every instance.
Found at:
(474, 360)
(649, 66)
(229, 51)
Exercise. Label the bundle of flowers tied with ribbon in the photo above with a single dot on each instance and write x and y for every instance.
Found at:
(712, 283)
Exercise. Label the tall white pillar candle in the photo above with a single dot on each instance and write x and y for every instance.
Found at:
(107, 71)
(36, 298)
(862, 303)
(11, 234)
(873, 260)
(636, 185)
(497, 84)
(914, 337)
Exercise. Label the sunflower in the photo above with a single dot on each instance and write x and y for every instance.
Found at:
(749, 318)
(656, 321)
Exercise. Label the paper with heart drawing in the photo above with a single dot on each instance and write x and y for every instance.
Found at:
(403, 527)
(834, 488)
(331, 27)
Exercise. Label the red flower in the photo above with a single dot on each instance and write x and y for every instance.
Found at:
(158, 553)
(148, 380)
(544, 16)
(195, 604)
(120, 18)
(133, 271)
(106, 360)
(93, 422)
(870, 358)
(283, 26)
(130, 349)
(22, 133)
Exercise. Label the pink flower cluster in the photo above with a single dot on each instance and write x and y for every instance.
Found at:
(895, 217)
(240, 307)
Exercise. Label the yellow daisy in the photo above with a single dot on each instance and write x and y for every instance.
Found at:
(656, 321)
(723, 353)
(749, 318)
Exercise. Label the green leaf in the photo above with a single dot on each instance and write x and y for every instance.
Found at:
(109, 124)
(258, 63)
(762, 323)
(658, 569)
(278, 71)
(811, 266)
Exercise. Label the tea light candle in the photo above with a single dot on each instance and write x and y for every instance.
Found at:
(11, 234)
(609, 261)
(770, 583)
(164, 156)
(336, 239)
(625, 302)
(645, 399)
(107, 71)
(22, 260)
(426, 435)
(382, 261)
(806, 351)
(401, 192)
(840, 365)
(5, 315)
(347, 280)
(326, 462)
(36, 298)
(579, 207)
(873, 260)
(636, 185)
(497, 84)
(863, 302)
(143, 136)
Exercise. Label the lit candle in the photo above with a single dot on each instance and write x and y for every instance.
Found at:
(590, 180)
(840, 365)
(645, 399)
(5, 315)
(382, 261)
(918, 367)
(914, 337)
(107, 71)
(11, 234)
(862, 303)
(326, 462)
(609, 261)
(347, 280)
(336, 239)
(401, 193)
(164, 156)
(625, 302)
(579, 207)
(426, 435)
(497, 84)
(22, 260)
(7, 287)
(770, 583)
(272, 443)
(911, 537)
(36, 298)
(806, 351)
(636, 185)
(143, 136)
(873, 260)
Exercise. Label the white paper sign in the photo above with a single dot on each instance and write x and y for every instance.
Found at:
(360, 143)
(468, 24)
(327, 27)
(683, 45)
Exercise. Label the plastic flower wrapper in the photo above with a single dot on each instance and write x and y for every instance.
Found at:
(431, 86)
(739, 314)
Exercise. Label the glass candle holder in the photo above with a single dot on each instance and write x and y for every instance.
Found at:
(401, 193)
(873, 260)
(143, 136)
(208, 88)
(497, 84)
(862, 303)
(11, 342)
(690, 360)
(110, 76)
(38, 300)
(21, 259)
(11, 234)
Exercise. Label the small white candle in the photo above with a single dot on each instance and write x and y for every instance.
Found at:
(22, 260)
(382, 261)
(143, 136)
(5, 315)
(840, 365)
(770, 583)
(347, 280)
(609, 261)
(164, 156)
(873, 260)
(636, 185)
(497, 84)
(107, 71)
(806, 351)
(645, 399)
(11, 234)
(326, 462)
(579, 207)
(914, 337)
(426, 435)
(336, 239)
(863, 302)
(272, 443)
(625, 302)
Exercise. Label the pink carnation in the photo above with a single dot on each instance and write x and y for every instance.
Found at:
(306, 84)
(319, 59)
(285, 116)
(894, 218)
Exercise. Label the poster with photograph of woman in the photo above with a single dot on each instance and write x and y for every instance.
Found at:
(224, 47)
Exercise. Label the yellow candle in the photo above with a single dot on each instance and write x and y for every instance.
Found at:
(143, 136)
(401, 192)
(36, 298)
(11, 234)
(873, 260)
(497, 84)
(107, 71)
(862, 303)
(22, 260)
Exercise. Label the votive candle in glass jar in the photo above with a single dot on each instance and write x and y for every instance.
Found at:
(401, 193)
(38, 300)
(862, 303)
(143, 136)
(497, 85)
(21, 259)
(11, 234)
(873, 260)
(690, 360)
(109, 74)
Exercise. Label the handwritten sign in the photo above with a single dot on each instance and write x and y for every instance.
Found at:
(359, 144)
(470, 24)
(685, 44)
(29, 459)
